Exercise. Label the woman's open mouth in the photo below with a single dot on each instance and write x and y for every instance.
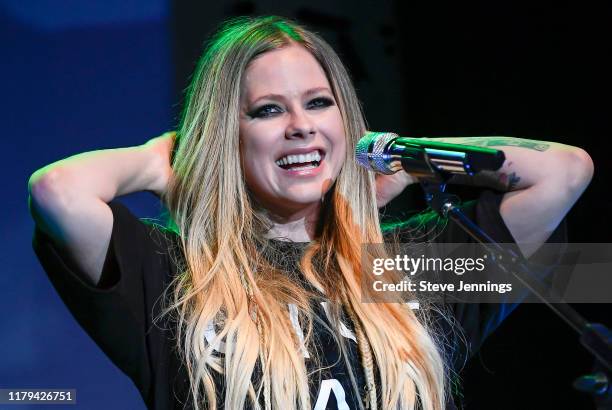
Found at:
(301, 162)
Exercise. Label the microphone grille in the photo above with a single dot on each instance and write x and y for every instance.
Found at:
(370, 151)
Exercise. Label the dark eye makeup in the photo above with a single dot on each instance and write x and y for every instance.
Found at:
(269, 110)
(320, 102)
(264, 111)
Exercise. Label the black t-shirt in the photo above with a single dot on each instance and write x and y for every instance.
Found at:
(119, 313)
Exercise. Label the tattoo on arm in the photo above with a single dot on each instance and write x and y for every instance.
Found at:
(498, 142)
(510, 181)
(501, 181)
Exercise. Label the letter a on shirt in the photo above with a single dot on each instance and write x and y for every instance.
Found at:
(327, 386)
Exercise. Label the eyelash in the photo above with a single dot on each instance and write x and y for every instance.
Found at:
(325, 102)
(263, 112)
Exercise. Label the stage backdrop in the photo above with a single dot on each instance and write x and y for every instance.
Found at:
(77, 76)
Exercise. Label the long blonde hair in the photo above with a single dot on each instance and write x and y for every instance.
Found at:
(225, 281)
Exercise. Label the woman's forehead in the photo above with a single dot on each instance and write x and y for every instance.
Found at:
(291, 70)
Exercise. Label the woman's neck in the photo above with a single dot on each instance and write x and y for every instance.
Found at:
(298, 226)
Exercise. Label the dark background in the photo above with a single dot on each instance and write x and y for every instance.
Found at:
(109, 74)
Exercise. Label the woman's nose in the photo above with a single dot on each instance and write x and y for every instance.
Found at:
(300, 125)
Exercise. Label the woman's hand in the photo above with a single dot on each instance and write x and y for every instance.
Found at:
(390, 186)
(161, 148)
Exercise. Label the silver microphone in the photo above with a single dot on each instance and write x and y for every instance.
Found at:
(387, 153)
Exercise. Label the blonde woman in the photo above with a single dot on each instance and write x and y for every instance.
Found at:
(251, 296)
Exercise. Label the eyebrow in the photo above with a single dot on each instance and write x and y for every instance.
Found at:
(282, 97)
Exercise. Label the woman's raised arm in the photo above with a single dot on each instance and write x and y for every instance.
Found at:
(68, 198)
(542, 181)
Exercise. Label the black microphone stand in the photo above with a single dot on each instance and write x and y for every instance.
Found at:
(595, 337)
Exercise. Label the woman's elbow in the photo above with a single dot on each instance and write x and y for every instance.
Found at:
(46, 189)
(568, 171)
(579, 169)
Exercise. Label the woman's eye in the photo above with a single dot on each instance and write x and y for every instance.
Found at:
(265, 111)
(320, 102)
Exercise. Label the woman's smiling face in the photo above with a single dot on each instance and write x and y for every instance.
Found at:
(292, 140)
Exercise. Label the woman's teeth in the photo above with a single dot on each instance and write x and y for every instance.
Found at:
(305, 161)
